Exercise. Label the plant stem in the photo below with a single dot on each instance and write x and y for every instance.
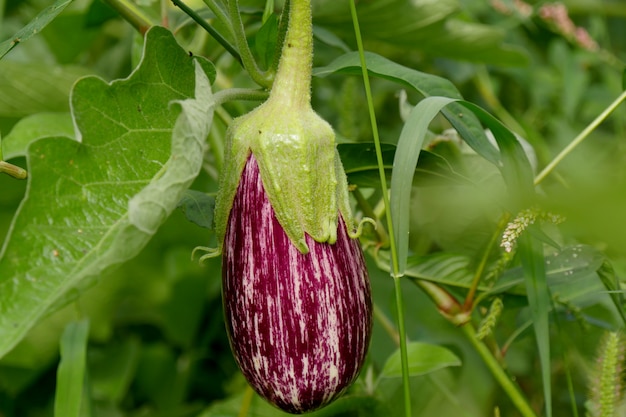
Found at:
(264, 79)
(392, 241)
(13, 170)
(132, 14)
(292, 84)
(404, 359)
(206, 26)
(231, 94)
(496, 370)
(580, 138)
(221, 15)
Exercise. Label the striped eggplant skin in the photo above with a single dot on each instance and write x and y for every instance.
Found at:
(299, 324)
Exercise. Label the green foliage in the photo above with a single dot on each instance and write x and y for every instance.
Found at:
(97, 288)
(35, 26)
(34, 127)
(89, 206)
(423, 359)
(71, 374)
(429, 26)
(533, 264)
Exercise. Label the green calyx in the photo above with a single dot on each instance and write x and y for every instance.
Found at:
(294, 148)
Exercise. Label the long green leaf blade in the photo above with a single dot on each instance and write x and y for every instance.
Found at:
(538, 293)
(428, 85)
(34, 26)
(409, 147)
(514, 164)
(72, 370)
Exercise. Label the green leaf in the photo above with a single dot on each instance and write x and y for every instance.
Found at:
(329, 38)
(612, 284)
(72, 370)
(442, 268)
(32, 128)
(266, 39)
(409, 146)
(198, 208)
(361, 166)
(94, 204)
(98, 13)
(571, 272)
(539, 300)
(27, 88)
(35, 26)
(428, 85)
(399, 28)
(514, 165)
(423, 359)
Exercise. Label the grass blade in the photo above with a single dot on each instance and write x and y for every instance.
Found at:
(533, 264)
(409, 147)
(71, 372)
(35, 26)
(515, 167)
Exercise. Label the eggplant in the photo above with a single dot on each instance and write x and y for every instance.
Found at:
(295, 287)
(299, 324)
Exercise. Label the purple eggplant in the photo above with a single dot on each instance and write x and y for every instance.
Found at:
(295, 287)
(299, 324)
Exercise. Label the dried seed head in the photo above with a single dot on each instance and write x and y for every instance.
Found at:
(521, 222)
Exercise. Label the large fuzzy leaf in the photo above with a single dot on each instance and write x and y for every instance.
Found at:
(94, 203)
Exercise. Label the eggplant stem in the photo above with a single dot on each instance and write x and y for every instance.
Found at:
(262, 78)
(206, 26)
